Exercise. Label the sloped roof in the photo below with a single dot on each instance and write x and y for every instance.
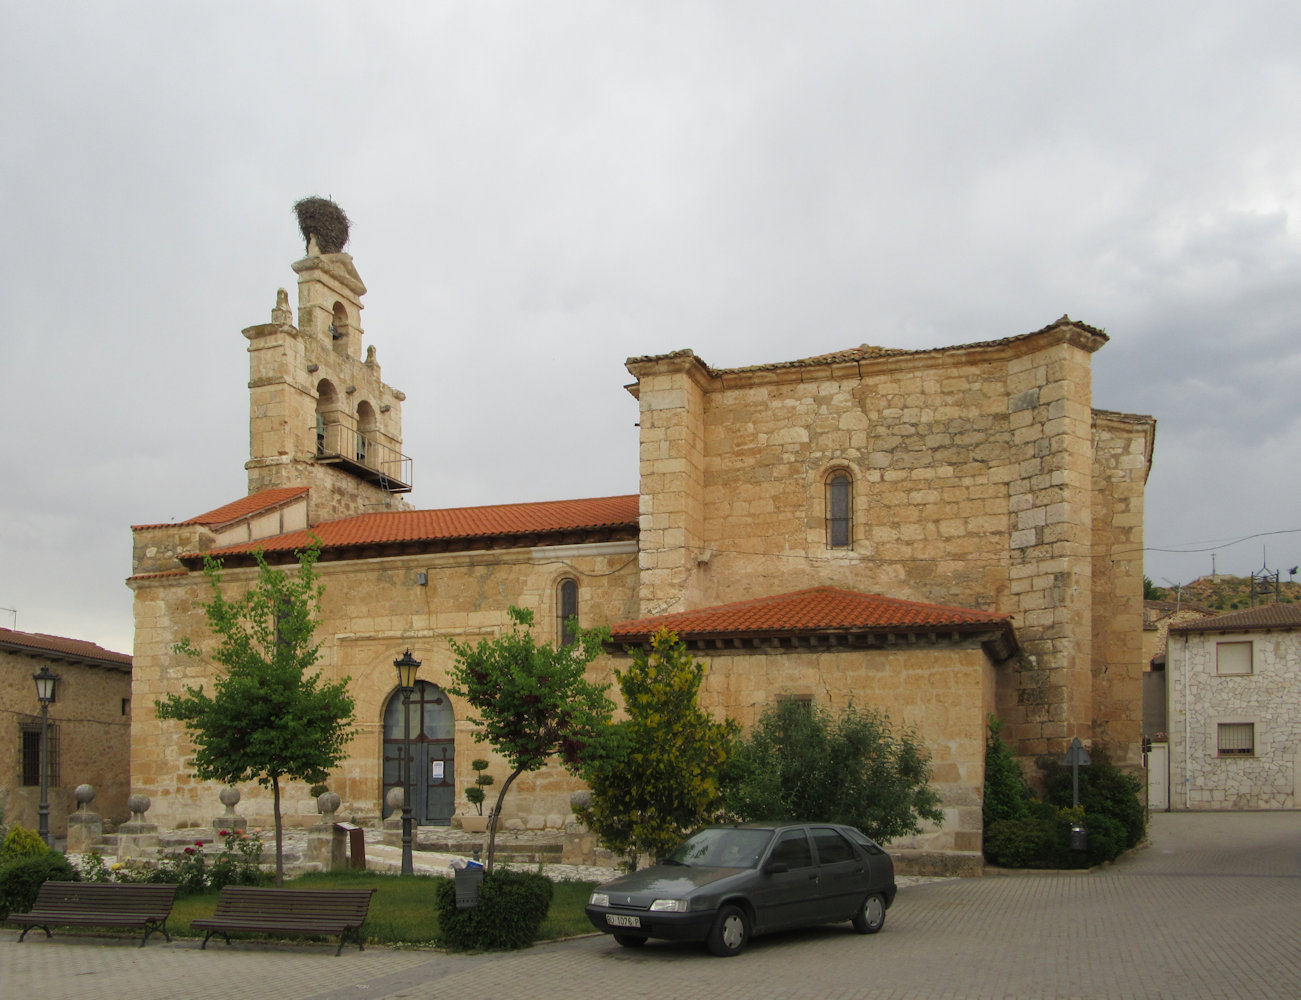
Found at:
(522, 522)
(59, 648)
(865, 352)
(818, 611)
(254, 503)
(1267, 616)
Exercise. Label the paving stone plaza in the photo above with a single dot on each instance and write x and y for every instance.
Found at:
(1211, 907)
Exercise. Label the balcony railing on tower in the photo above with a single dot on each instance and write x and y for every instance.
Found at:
(363, 455)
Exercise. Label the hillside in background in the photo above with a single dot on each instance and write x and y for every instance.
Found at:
(1228, 593)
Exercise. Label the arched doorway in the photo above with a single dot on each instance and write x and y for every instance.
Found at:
(433, 754)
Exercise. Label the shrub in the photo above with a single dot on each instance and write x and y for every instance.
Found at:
(512, 906)
(1006, 795)
(1105, 790)
(22, 843)
(1016, 843)
(21, 878)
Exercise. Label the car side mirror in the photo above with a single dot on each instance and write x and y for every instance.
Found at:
(776, 867)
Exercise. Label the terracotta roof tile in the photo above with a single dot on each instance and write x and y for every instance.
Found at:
(37, 643)
(819, 609)
(1267, 616)
(255, 503)
(461, 523)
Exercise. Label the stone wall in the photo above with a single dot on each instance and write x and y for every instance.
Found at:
(93, 734)
(1269, 697)
(977, 478)
(373, 609)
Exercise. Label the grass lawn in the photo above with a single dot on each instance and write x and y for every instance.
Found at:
(402, 909)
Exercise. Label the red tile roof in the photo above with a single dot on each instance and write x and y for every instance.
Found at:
(817, 610)
(1267, 616)
(255, 503)
(463, 524)
(59, 648)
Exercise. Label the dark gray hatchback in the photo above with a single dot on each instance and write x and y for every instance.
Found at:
(729, 882)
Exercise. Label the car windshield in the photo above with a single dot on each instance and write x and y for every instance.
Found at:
(729, 848)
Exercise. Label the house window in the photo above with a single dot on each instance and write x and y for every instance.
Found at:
(566, 608)
(840, 494)
(1233, 657)
(1236, 739)
(31, 753)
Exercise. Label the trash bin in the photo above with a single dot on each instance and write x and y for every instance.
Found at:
(468, 880)
(1079, 837)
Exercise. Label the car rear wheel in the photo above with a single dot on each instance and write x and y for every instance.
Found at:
(630, 940)
(870, 917)
(730, 932)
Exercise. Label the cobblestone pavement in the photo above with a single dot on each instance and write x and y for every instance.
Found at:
(1211, 908)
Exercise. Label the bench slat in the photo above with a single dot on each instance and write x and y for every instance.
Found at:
(289, 911)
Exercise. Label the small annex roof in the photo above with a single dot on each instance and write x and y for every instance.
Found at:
(504, 525)
(1264, 618)
(254, 503)
(866, 352)
(827, 614)
(55, 647)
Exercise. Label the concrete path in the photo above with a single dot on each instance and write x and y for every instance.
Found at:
(1211, 908)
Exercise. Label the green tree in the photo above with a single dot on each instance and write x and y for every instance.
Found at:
(800, 763)
(270, 716)
(659, 776)
(533, 701)
(1151, 592)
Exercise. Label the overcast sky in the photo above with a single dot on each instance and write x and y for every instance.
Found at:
(541, 190)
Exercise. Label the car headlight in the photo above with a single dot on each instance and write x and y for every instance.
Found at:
(670, 905)
(599, 899)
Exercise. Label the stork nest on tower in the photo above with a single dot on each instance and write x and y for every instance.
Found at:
(325, 220)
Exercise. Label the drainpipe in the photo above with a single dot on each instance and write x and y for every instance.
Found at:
(1187, 751)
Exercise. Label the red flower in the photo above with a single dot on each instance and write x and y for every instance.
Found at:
(198, 843)
(189, 850)
(223, 833)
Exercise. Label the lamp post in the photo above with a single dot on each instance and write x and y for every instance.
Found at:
(45, 694)
(407, 667)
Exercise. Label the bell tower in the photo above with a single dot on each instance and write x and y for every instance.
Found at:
(319, 415)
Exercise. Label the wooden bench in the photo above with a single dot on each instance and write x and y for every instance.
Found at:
(288, 911)
(99, 904)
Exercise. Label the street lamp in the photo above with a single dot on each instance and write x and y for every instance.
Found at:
(407, 667)
(45, 694)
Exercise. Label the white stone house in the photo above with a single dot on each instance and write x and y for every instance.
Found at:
(1234, 696)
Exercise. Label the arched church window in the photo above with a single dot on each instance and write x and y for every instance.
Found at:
(840, 517)
(327, 417)
(566, 609)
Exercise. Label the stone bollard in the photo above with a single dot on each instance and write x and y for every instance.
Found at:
(85, 828)
(392, 835)
(137, 838)
(228, 820)
(327, 846)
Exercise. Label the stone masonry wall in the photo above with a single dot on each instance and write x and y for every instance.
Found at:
(372, 610)
(942, 692)
(93, 735)
(973, 485)
(1269, 697)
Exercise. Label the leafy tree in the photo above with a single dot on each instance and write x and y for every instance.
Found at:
(533, 701)
(800, 763)
(1007, 796)
(659, 777)
(1151, 592)
(270, 716)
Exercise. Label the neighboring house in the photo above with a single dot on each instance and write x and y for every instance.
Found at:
(1158, 616)
(1234, 690)
(937, 533)
(89, 727)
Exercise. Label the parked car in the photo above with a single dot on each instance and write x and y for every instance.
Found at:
(726, 883)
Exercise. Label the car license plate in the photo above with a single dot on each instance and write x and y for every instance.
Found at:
(615, 920)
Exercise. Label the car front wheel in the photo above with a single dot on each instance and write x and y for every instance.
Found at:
(870, 917)
(730, 932)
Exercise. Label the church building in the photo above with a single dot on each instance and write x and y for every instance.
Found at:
(941, 534)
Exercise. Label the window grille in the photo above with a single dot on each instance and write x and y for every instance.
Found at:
(566, 608)
(839, 511)
(31, 753)
(1237, 739)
